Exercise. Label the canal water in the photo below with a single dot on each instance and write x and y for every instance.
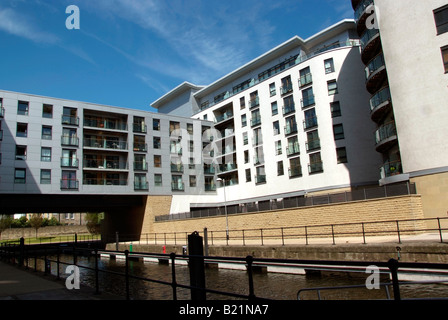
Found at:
(277, 286)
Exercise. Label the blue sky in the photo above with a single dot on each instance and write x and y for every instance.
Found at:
(128, 53)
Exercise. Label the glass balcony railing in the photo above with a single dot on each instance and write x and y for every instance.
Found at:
(375, 65)
(312, 144)
(178, 168)
(177, 186)
(308, 101)
(305, 79)
(141, 185)
(290, 128)
(103, 123)
(225, 116)
(69, 162)
(286, 89)
(141, 165)
(295, 171)
(255, 102)
(227, 167)
(316, 167)
(260, 178)
(310, 122)
(379, 98)
(390, 169)
(289, 109)
(105, 144)
(292, 149)
(70, 120)
(255, 121)
(367, 36)
(69, 184)
(386, 131)
(70, 141)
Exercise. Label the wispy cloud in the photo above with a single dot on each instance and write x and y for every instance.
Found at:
(17, 24)
(209, 40)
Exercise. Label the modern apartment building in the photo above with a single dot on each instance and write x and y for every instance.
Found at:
(289, 123)
(404, 47)
(56, 146)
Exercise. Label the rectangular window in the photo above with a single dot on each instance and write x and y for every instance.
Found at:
(295, 168)
(274, 108)
(243, 120)
(310, 119)
(276, 127)
(329, 66)
(158, 180)
(338, 131)
(47, 111)
(272, 89)
(46, 133)
(335, 109)
(441, 19)
(156, 142)
(45, 154)
(190, 128)
(45, 176)
(156, 124)
(307, 97)
(192, 181)
(341, 155)
(242, 103)
(248, 175)
(286, 85)
(332, 87)
(20, 152)
(157, 161)
(23, 108)
(305, 77)
(445, 58)
(278, 147)
(280, 169)
(246, 156)
(22, 130)
(20, 176)
(245, 138)
(316, 164)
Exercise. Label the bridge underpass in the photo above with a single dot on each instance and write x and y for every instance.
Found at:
(123, 213)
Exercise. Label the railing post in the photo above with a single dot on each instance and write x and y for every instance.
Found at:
(393, 267)
(332, 233)
(440, 230)
(97, 283)
(261, 233)
(398, 232)
(283, 239)
(306, 235)
(126, 254)
(21, 251)
(244, 240)
(363, 234)
(116, 241)
(173, 275)
(249, 260)
(58, 264)
(196, 264)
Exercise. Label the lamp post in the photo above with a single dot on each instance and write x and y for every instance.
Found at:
(223, 181)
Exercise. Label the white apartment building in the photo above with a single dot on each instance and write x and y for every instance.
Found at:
(289, 123)
(404, 46)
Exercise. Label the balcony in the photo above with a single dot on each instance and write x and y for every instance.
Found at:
(312, 144)
(307, 101)
(390, 169)
(69, 184)
(370, 44)
(70, 120)
(361, 14)
(286, 89)
(255, 121)
(141, 185)
(69, 162)
(72, 141)
(140, 147)
(386, 136)
(228, 115)
(291, 128)
(177, 168)
(295, 171)
(305, 80)
(293, 149)
(260, 179)
(2, 112)
(105, 164)
(310, 123)
(140, 165)
(375, 74)
(140, 128)
(178, 186)
(255, 102)
(380, 104)
(223, 168)
(289, 109)
(315, 167)
(105, 143)
(105, 123)
(106, 181)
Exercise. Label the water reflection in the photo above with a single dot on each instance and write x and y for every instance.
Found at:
(267, 285)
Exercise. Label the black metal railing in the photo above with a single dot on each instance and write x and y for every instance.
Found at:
(360, 194)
